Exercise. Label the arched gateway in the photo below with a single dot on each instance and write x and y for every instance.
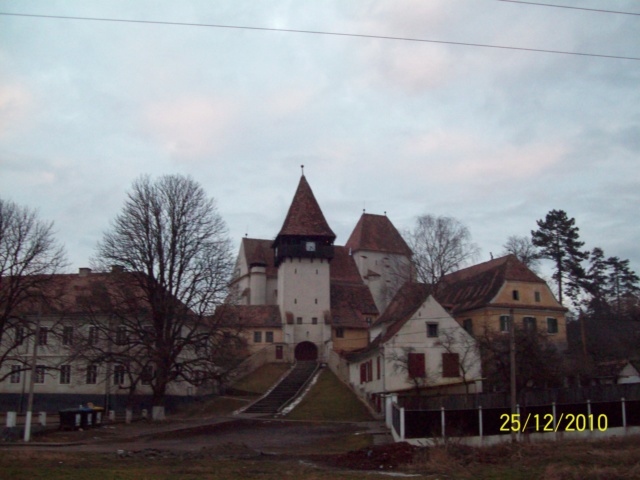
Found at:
(306, 351)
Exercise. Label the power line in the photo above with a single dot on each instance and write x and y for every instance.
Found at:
(572, 8)
(320, 32)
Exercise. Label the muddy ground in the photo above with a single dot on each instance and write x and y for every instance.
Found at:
(335, 444)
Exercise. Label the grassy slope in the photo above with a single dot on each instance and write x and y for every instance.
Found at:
(330, 399)
(262, 379)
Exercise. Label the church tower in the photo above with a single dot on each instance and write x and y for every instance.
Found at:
(303, 250)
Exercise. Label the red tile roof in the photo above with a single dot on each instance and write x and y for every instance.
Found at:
(350, 305)
(305, 217)
(404, 305)
(258, 252)
(475, 287)
(343, 267)
(376, 233)
(95, 293)
(248, 316)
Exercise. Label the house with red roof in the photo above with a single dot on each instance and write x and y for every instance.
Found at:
(484, 297)
(417, 347)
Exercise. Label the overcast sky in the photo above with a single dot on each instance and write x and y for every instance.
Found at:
(493, 137)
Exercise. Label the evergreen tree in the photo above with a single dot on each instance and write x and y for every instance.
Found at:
(622, 282)
(558, 240)
(596, 285)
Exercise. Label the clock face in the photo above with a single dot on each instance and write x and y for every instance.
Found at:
(311, 246)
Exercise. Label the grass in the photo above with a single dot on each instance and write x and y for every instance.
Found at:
(23, 465)
(261, 380)
(613, 458)
(216, 406)
(330, 400)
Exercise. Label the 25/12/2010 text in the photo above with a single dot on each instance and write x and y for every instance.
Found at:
(546, 423)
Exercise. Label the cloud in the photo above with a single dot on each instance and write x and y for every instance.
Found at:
(464, 156)
(16, 103)
(191, 127)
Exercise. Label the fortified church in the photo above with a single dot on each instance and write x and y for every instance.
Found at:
(309, 296)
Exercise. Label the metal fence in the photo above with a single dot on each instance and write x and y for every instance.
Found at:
(413, 423)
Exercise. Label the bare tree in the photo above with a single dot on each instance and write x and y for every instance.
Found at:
(173, 259)
(538, 361)
(440, 245)
(29, 257)
(406, 360)
(524, 250)
(456, 341)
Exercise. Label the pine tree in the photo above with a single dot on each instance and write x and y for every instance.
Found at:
(558, 240)
(596, 283)
(622, 282)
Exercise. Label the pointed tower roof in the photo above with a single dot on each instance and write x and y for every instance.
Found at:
(305, 217)
(376, 233)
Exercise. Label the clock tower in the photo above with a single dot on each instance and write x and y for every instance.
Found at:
(303, 251)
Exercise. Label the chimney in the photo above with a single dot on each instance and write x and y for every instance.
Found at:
(117, 269)
(84, 272)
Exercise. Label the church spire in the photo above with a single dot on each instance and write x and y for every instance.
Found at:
(305, 232)
(305, 218)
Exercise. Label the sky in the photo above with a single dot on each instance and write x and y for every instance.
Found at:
(494, 137)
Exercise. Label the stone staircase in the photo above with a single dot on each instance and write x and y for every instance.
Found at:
(286, 390)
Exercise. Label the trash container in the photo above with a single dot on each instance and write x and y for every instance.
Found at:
(81, 417)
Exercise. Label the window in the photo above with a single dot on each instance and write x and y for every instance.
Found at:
(43, 335)
(67, 336)
(65, 374)
(15, 373)
(468, 326)
(118, 375)
(536, 296)
(92, 374)
(516, 295)
(366, 371)
(432, 330)
(378, 368)
(40, 370)
(299, 320)
(368, 320)
(121, 336)
(314, 321)
(529, 324)
(450, 365)
(146, 375)
(416, 366)
(93, 336)
(268, 337)
(257, 337)
(316, 301)
(552, 325)
(19, 335)
(340, 332)
(504, 323)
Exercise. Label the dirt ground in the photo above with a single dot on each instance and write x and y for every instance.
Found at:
(231, 437)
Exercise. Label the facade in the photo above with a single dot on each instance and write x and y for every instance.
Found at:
(418, 348)
(482, 298)
(81, 317)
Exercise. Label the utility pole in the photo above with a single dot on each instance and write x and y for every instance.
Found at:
(512, 372)
(34, 359)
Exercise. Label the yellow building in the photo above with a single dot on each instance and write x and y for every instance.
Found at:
(483, 297)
